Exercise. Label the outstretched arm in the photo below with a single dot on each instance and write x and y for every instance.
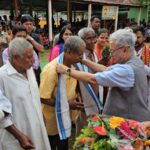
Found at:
(79, 75)
(94, 66)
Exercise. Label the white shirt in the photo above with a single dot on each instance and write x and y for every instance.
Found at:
(5, 105)
(26, 108)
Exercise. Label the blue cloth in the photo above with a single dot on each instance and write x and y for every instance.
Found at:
(89, 89)
(119, 75)
(62, 106)
(61, 46)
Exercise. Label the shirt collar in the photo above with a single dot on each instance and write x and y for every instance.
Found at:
(10, 69)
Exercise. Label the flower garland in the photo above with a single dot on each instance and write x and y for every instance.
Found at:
(111, 133)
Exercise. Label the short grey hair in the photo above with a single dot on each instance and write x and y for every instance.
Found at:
(73, 44)
(18, 46)
(84, 31)
(123, 37)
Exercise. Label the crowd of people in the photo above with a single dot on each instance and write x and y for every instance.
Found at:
(91, 72)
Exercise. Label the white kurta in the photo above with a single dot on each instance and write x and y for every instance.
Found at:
(26, 108)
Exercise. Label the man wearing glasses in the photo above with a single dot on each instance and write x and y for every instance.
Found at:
(127, 96)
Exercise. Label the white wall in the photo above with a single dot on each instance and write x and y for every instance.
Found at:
(5, 12)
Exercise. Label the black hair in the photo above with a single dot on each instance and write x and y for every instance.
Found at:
(141, 29)
(67, 27)
(132, 23)
(93, 17)
(26, 19)
(17, 29)
(65, 23)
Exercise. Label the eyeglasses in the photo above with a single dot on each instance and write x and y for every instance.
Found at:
(114, 50)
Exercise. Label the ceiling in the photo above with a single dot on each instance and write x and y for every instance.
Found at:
(42, 5)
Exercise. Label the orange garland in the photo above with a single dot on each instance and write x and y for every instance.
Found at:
(146, 55)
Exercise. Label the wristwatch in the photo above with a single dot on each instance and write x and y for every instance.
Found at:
(68, 71)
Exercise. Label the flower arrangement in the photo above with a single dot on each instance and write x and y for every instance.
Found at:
(105, 56)
(111, 133)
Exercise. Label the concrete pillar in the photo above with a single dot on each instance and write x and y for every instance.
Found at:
(16, 8)
(139, 16)
(89, 12)
(116, 19)
(68, 10)
(50, 19)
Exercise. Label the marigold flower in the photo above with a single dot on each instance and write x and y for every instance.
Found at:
(115, 122)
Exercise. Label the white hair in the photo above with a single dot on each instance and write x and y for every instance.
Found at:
(18, 46)
(84, 31)
(124, 37)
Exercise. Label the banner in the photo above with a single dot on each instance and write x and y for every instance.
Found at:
(120, 2)
(109, 12)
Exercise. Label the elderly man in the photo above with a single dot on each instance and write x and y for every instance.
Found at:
(18, 83)
(92, 95)
(59, 93)
(127, 80)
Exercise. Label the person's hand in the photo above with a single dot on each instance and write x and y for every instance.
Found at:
(29, 38)
(76, 103)
(146, 125)
(83, 61)
(25, 142)
(61, 68)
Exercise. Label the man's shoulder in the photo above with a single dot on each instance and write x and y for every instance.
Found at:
(3, 70)
(51, 67)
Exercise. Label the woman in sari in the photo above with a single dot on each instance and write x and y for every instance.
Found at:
(65, 33)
